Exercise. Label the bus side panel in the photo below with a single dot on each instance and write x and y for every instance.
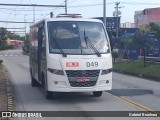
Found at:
(33, 52)
(42, 65)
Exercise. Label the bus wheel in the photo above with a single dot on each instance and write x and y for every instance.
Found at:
(47, 93)
(33, 82)
(97, 93)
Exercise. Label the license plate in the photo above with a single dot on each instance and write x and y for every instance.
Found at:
(82, 79)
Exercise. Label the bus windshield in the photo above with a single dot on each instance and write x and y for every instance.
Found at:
(70, 37)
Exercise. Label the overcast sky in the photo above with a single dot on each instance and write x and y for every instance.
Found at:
(88, 8)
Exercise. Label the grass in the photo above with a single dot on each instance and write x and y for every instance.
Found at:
(138, 68)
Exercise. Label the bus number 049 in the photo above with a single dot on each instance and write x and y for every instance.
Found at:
(92, 64)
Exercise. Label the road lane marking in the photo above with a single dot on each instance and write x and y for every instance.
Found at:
(135, 104)
(127, 101)
(10, 55)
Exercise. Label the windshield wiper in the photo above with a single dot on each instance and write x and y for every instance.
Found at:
(62, 52)
(87, 40)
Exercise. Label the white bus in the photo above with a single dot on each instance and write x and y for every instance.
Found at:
(69, 54)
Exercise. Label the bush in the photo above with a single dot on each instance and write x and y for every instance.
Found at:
(115, 54)
(6, 47)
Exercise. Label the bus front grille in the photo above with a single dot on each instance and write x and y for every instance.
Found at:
(74, 75)
(82, 73)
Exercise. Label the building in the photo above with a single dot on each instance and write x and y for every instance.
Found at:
(127, 25)
(147, 16)
(16, 43)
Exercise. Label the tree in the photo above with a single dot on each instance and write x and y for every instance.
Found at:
(138, 39)
(26, 44)
(127, 43)
(143, 40)
(2, 44)
(155, 30)
(152, 29)
(3, 33)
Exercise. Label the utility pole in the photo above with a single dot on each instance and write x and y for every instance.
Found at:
(65, 6)
(116, 15)
(104, 13)
(33, 14)
(25, 25)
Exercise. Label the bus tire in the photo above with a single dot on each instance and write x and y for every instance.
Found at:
(48, 94)
(42, 80)
(97, 93)
(33, 81)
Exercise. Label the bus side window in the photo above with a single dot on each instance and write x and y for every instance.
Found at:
(43, 42)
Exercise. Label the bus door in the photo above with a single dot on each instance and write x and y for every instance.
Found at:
(39, 52)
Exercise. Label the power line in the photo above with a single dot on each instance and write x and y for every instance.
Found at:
(51, 11)
(131, 3)
(30, 10)
(15, 28)
(139, 3)
(6, 8)
(14, 22)
(90, 5)
(35, 5)
(16, 7)
(71, 1)
(21, 8)
(16, 31)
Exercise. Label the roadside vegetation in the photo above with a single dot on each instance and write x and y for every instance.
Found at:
(137, 67)
(4, 35)
(26, 45)
(142, 42)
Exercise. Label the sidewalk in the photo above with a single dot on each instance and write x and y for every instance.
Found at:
(3, 91)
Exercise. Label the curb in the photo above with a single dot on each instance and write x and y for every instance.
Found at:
(9, 95)
(138, 75)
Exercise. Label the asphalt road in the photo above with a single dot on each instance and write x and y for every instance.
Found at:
(128, 94)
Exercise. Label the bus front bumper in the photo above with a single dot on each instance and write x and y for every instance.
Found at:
(60, 83)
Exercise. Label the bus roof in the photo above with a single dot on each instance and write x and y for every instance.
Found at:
(73, 19)
(67, 19)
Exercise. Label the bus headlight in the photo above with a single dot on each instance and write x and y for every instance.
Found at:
(106, 71)
(55, 71)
